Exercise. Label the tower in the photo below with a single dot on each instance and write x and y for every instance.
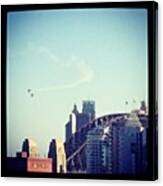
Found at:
(52, 153)
(30, 147)
(25, 146)
(68, 128)
(94, 151)
(89, 108)
(75, 110)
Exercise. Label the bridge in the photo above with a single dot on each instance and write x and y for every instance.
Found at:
(76, 146)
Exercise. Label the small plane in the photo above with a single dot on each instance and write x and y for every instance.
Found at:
(30, 92)
(32, 95)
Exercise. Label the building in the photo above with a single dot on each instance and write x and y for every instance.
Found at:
(23, 165)
(52, 153)
(89, 108)
(118, 148)
(25, 146)
(107, 153)
(61, 157)
(70, 126)
(94, 151)
(126, 147)
(21, 154)
(112, 144)
(16, 165)
(30, 147)
(81, 120)
(131, 143)
(75, 109)
(68, 129)
(76, 122)
(28, 160)
(58, 156)
(39, 165)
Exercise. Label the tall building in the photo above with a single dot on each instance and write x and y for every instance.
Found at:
(75, 109)
(81, 120)
(78, 119)
(119, 148)
(94, 151)
(131, 146)
(68, 128)
(127, 143)
(107, 153)
(25, 146)
(52, 153)
(57, 154)
(73, 118)
(61, 157)
(30, 147)
(89, 108)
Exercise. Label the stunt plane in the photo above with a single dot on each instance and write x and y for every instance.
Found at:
(30, 92)
(32, 95)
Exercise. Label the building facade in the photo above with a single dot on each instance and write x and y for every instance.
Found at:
(119, 148)
(94, 151)
(52, 153)
(89, 108)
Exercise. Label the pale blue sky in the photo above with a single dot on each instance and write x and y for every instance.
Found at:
(66, 56)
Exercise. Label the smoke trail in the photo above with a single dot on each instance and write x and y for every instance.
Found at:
(85, 72)
(86, 76)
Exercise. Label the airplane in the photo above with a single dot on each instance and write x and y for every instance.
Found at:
(126, 102)
(31, 94)
(28, 90)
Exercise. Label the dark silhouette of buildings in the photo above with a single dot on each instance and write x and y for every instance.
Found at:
(77, 120)
(68, 127)
(111, 144)
(28, 160)
(25, 146)
(75, 110)
(120, 150)
(16, 165)
(53, 154)
(81, 120)
(94, 154)
(30, 147)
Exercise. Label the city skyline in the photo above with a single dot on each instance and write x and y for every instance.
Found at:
(65, 57)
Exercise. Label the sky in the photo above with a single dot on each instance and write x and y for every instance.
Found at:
(65, 57)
